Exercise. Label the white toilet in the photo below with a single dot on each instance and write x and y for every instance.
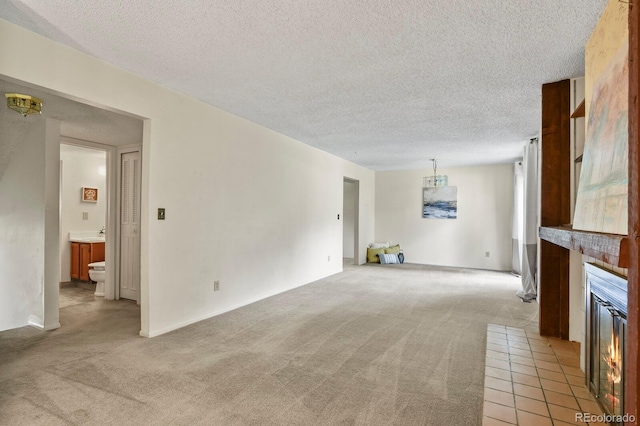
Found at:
(97, 274)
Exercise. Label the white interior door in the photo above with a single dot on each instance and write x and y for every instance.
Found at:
(130, 226)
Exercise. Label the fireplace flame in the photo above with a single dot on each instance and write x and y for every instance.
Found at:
(614, 360)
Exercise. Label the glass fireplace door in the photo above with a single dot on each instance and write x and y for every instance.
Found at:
(610, 330)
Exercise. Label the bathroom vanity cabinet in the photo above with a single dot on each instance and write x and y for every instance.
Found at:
(82, 254)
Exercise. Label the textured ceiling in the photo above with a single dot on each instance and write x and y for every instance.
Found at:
(385, 84)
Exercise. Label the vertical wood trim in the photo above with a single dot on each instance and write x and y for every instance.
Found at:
(555, 208)
(633, 319)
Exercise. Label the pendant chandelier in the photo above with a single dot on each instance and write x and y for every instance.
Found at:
(435, 180)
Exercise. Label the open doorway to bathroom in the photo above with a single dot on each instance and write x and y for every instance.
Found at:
(351, 191)
(83, 219)
(87, 168)
(93, 259)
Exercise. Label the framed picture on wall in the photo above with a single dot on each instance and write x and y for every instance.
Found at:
(89, 195)
(440, 202)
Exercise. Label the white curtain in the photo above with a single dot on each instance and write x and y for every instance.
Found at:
(518, 219)
(529, 289)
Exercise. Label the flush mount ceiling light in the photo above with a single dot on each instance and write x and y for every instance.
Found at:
(24, 104)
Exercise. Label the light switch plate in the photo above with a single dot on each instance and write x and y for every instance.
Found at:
(161, 214)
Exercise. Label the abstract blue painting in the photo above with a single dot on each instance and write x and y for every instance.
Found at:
(440, 202)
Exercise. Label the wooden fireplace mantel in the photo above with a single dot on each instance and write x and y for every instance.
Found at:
(610, 248)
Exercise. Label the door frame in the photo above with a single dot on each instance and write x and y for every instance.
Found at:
(120, 151)
(110, 247)
(356, 219)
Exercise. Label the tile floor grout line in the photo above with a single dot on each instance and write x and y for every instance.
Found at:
(514, 344)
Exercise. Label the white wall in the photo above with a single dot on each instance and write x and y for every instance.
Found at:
(485, 203)
(348, 213)
(25, 207)
(244, 205)
(80, 168)
(51, 224)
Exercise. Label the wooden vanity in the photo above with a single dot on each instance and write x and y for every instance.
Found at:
(82, 254)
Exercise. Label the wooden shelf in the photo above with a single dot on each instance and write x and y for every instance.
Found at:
(579, 112)
(610, 248)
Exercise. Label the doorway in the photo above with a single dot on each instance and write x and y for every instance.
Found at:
(350, 209)
(72, 122)
(115, 216)
(83, 218)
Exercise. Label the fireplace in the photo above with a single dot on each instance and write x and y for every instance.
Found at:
(606, 333)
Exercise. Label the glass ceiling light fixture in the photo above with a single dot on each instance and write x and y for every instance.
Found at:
(435, 180)
(24, 104)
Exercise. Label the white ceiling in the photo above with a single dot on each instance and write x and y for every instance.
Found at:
(385, 84)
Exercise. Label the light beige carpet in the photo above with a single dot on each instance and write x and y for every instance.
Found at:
(374, 345)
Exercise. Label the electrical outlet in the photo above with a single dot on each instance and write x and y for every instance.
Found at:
(216, 285)
(487, 254)
(328, 258)
(85, 215)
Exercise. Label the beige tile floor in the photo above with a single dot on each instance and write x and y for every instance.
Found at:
(533, 381)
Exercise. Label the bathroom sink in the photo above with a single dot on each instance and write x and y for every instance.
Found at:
(87, 240)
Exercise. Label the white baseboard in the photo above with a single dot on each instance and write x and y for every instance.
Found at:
(203, 317)
(226, 309)
(33, 322)
(36, 325)
(52, 327)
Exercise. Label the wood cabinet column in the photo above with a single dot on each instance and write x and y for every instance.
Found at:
(555, 205)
